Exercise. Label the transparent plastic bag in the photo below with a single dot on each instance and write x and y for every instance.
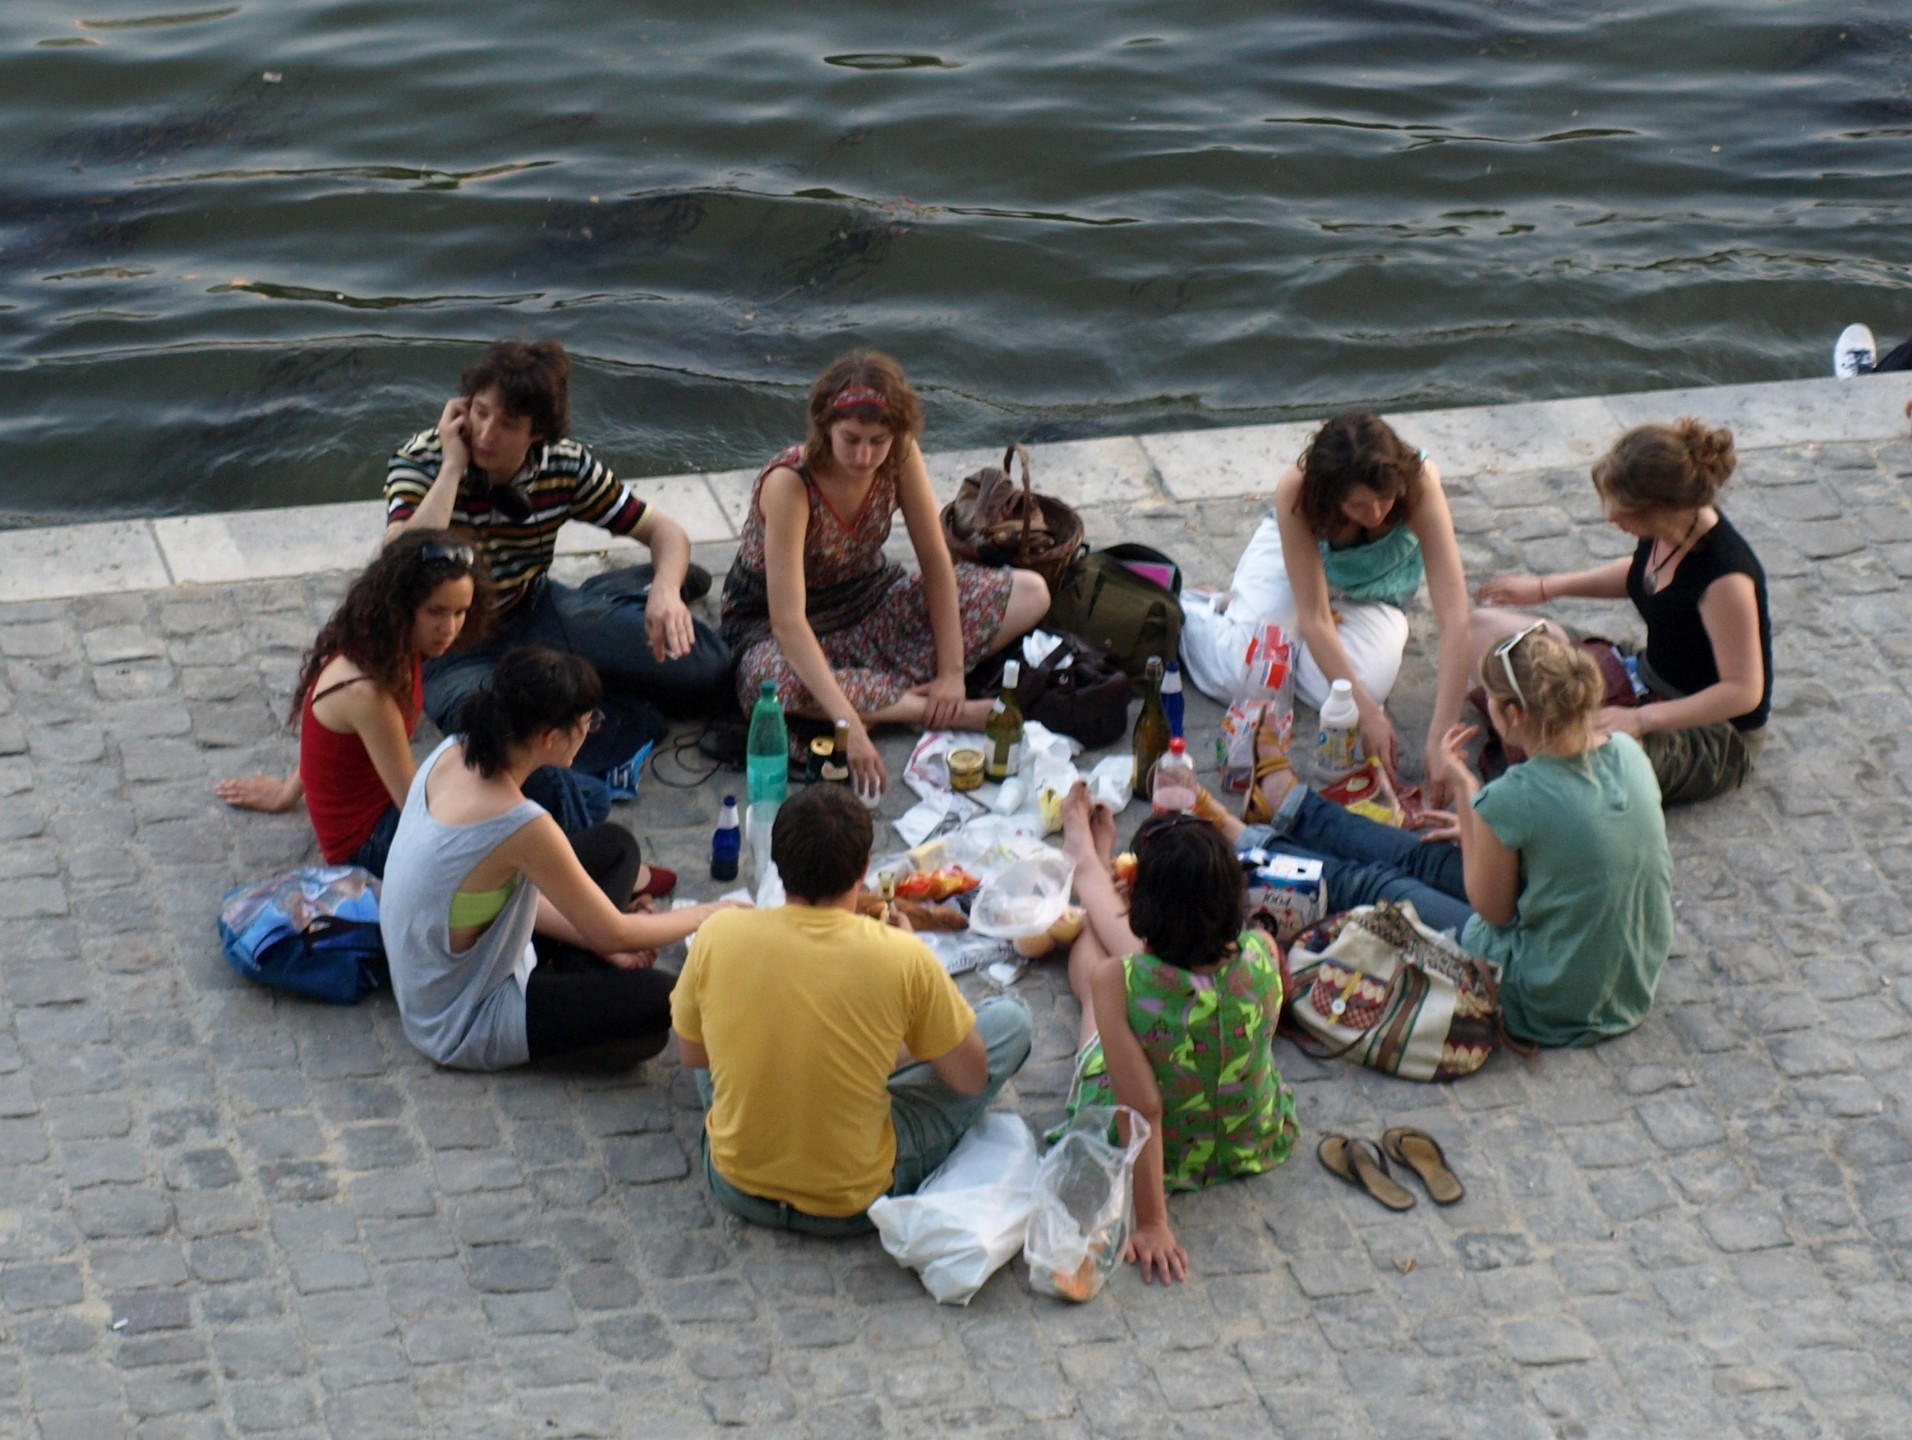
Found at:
(1084, 1205)
(1025, 897)
(967, 1220)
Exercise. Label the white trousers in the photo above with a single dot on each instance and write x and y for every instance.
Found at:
(1214, 644)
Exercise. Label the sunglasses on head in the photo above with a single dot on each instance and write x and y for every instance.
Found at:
(1504, 652)
(441, 553)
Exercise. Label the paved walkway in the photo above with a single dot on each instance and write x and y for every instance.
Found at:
(226, 1213)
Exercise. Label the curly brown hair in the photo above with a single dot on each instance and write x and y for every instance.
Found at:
(373, 625)
(894, 405)
(533, 379)
(1356, 447)
(1666, 467)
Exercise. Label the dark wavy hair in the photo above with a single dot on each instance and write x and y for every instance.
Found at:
(533, 376)
(532, 690)
(1186, 903)
(1354, 448)
(373, 625)
(897, 410)
(821, 842)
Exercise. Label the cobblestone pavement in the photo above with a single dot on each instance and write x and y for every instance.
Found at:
(223, 1212)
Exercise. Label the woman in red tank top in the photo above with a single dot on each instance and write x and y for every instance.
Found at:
(360, 694)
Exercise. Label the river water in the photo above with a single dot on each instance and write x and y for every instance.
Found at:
(245, 248)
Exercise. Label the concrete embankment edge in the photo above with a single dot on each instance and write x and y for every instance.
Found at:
(130, 555)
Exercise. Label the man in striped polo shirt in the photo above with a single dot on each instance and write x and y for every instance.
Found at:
(498, 465)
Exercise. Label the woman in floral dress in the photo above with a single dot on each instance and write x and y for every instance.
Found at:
(812, 603)
(1179, 1007)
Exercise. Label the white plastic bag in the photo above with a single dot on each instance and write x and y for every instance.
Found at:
(1264, 696)
(1084, 1205)
(966, 1221)
(1025, 897)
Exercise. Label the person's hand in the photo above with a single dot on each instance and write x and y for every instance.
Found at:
(868, 774)
(1153, 1250)
(1620, 720)
(1452, 757)
(1379, 740)
(893, 916)
(1435, 825)
(258, 792)
(944, 698)
(632, 959)
(1509, 590)
(667, 624)
(452, 439)
(1435, 793)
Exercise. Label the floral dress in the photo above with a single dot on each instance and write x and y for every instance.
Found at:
(1210, 1041)
(868, 613)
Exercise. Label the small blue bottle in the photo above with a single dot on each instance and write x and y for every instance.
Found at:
(1172, 699)
(726, 844)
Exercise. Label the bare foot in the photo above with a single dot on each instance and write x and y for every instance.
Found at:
(1078, 827)
(1102, 830)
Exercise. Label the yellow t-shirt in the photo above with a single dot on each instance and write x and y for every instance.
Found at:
(802, 1010)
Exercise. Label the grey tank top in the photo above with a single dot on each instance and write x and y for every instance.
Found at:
(463, 1008)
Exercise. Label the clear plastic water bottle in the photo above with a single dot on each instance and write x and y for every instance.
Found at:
(767, 750)
(1338, 743)
(726, 842)
(1174, 780)
(1172, 697)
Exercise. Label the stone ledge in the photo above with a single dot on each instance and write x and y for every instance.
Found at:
(115, 557)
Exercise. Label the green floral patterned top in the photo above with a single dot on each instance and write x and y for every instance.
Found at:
(1210, 1040)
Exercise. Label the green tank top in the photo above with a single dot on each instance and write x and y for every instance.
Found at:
(1387, 568)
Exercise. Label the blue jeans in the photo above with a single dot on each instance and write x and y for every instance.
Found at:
(1363, 861)
(602, 620)
(930, 1119)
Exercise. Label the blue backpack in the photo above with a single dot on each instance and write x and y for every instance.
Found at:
(313, 931)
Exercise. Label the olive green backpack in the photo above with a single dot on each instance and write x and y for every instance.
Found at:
(1129, 616)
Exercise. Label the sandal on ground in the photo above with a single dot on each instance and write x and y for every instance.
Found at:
(1271, 758)
(1360, 1164)
(1421, 1153)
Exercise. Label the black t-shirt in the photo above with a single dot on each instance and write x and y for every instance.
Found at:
(1678, 649)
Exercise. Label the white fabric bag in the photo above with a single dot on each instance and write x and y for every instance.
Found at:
(966, 1221)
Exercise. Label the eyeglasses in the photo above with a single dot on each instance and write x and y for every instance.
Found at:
(595, 723)
(438, 552)
(1504, 652)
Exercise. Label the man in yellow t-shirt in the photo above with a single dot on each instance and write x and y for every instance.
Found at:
(836, 1058)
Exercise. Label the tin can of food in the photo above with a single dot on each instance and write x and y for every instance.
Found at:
(965, 768)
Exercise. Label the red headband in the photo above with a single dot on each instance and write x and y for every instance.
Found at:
(852, 396)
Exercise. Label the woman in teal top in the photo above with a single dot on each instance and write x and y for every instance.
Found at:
(1357, 523)
(1561, 874)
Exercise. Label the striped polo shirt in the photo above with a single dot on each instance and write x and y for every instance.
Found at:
(563, 481)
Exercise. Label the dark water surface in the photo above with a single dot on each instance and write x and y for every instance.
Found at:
(246, 247)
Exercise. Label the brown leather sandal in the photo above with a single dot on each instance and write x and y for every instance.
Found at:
(1421, 1153)
(1360, 1164)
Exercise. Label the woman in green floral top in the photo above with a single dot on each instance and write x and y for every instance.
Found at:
(1181, 1027)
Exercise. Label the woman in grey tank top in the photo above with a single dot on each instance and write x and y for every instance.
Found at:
(507, 941)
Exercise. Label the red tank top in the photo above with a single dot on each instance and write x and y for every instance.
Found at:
(343, 792)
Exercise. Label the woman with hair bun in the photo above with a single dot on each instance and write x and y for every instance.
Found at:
(1558, 870)
(812, 604)
(1698, 696)
(1354, 526)
(507, 941)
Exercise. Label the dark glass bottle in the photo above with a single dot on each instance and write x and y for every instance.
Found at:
(1151, 729)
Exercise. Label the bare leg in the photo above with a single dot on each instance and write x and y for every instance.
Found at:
(1028, 603)
(1102, 905)
(1219, 815)
(910, 709)
(1086, 956)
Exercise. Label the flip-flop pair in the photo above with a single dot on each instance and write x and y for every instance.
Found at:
(1364, 1165)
